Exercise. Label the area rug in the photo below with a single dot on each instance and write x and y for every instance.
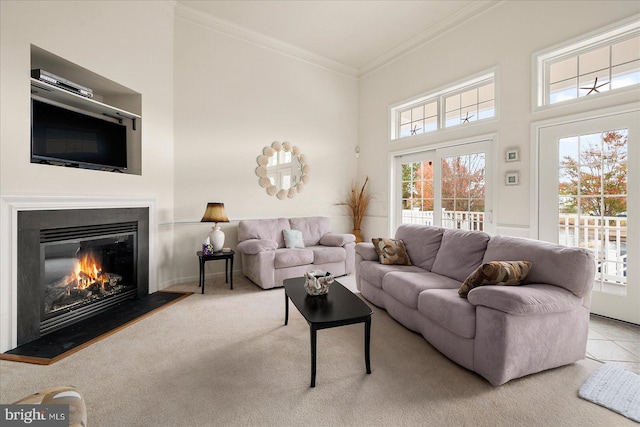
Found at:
(61, 343)
(614, 388)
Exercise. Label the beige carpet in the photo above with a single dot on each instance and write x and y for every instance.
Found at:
(226, 359)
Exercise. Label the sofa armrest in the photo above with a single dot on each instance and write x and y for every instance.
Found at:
(367, 251)
(254, 246)
(526, 299)
(334, 239)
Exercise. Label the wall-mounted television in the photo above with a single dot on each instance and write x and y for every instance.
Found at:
(62, 136)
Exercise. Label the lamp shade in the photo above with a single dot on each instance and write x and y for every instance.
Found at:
(214, 213)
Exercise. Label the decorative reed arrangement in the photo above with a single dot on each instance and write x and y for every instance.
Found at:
(356, 203)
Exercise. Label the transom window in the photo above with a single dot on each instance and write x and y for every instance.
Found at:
(456, 105)
(590, 67)
(470, 105)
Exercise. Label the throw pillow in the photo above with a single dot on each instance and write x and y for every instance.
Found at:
(496, 273)
(391, 251)
(293, 239)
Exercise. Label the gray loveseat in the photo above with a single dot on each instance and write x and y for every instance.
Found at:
(500, 332)
(267, 261)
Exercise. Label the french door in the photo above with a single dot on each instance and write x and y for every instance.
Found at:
(448, 187)
(589, 197)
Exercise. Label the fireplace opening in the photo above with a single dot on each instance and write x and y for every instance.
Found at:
(84, 270)
(75, 264)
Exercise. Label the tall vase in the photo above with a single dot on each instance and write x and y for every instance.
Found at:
(217, 238)
(356, 232)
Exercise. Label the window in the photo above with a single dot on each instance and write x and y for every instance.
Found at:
(456, 105)
(595, 65)
(592, 200)
(419, 119)
(449, 186)
(462, 187)
(417, 192)
(470, 105)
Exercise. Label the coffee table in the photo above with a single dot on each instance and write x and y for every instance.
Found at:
(338, 307)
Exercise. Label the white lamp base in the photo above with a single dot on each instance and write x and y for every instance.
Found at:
(217, 238)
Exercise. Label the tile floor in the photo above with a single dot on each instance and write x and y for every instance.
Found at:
(614, 342)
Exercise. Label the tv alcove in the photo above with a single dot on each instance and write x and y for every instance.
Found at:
(111, 102)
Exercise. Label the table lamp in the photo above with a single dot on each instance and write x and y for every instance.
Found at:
(215, 213)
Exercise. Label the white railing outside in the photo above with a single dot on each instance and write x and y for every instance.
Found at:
(606, 236)
(450, 219)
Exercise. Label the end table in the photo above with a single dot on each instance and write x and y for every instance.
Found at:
(228, 269)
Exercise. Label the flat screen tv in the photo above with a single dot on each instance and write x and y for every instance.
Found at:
(63, 136)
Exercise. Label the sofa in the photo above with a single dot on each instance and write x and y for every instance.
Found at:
(267, 261)
(499, 332)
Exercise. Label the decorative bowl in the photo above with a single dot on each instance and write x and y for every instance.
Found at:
(317, 282)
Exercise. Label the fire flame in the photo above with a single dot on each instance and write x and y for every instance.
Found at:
(86, 271)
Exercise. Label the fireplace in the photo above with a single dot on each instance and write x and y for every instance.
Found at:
(73, 264)
(85, 269)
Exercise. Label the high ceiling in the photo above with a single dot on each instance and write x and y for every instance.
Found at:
(357, 34)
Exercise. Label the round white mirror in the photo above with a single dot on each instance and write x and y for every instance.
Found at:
(282, 170)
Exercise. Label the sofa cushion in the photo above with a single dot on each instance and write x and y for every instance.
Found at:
(527, 299)
(460, 253)
(391, 251)
(293, 257)
(422, 243)
(334, 239)
(447, 309)
(264, 229)
(569, 268)
(373, 271)
(496, 273)
(313, 228)
(406, 286)
(293, 239)
(327, 254)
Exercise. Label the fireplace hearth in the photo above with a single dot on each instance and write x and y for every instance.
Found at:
(76, 263)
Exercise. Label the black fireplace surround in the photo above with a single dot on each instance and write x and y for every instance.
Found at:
(47, 300)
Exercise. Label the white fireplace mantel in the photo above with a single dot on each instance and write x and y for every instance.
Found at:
(10, 205)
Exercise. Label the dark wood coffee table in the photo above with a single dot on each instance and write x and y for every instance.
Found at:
(338, 307)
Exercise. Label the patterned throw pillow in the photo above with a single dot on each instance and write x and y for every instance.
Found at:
(391, 251)
(496, 273)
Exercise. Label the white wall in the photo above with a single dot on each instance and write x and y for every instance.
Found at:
(130, 43)
(506, 36)
(233, 98)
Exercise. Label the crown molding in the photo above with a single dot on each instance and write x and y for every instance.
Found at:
(463, 15)
(242, 33)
